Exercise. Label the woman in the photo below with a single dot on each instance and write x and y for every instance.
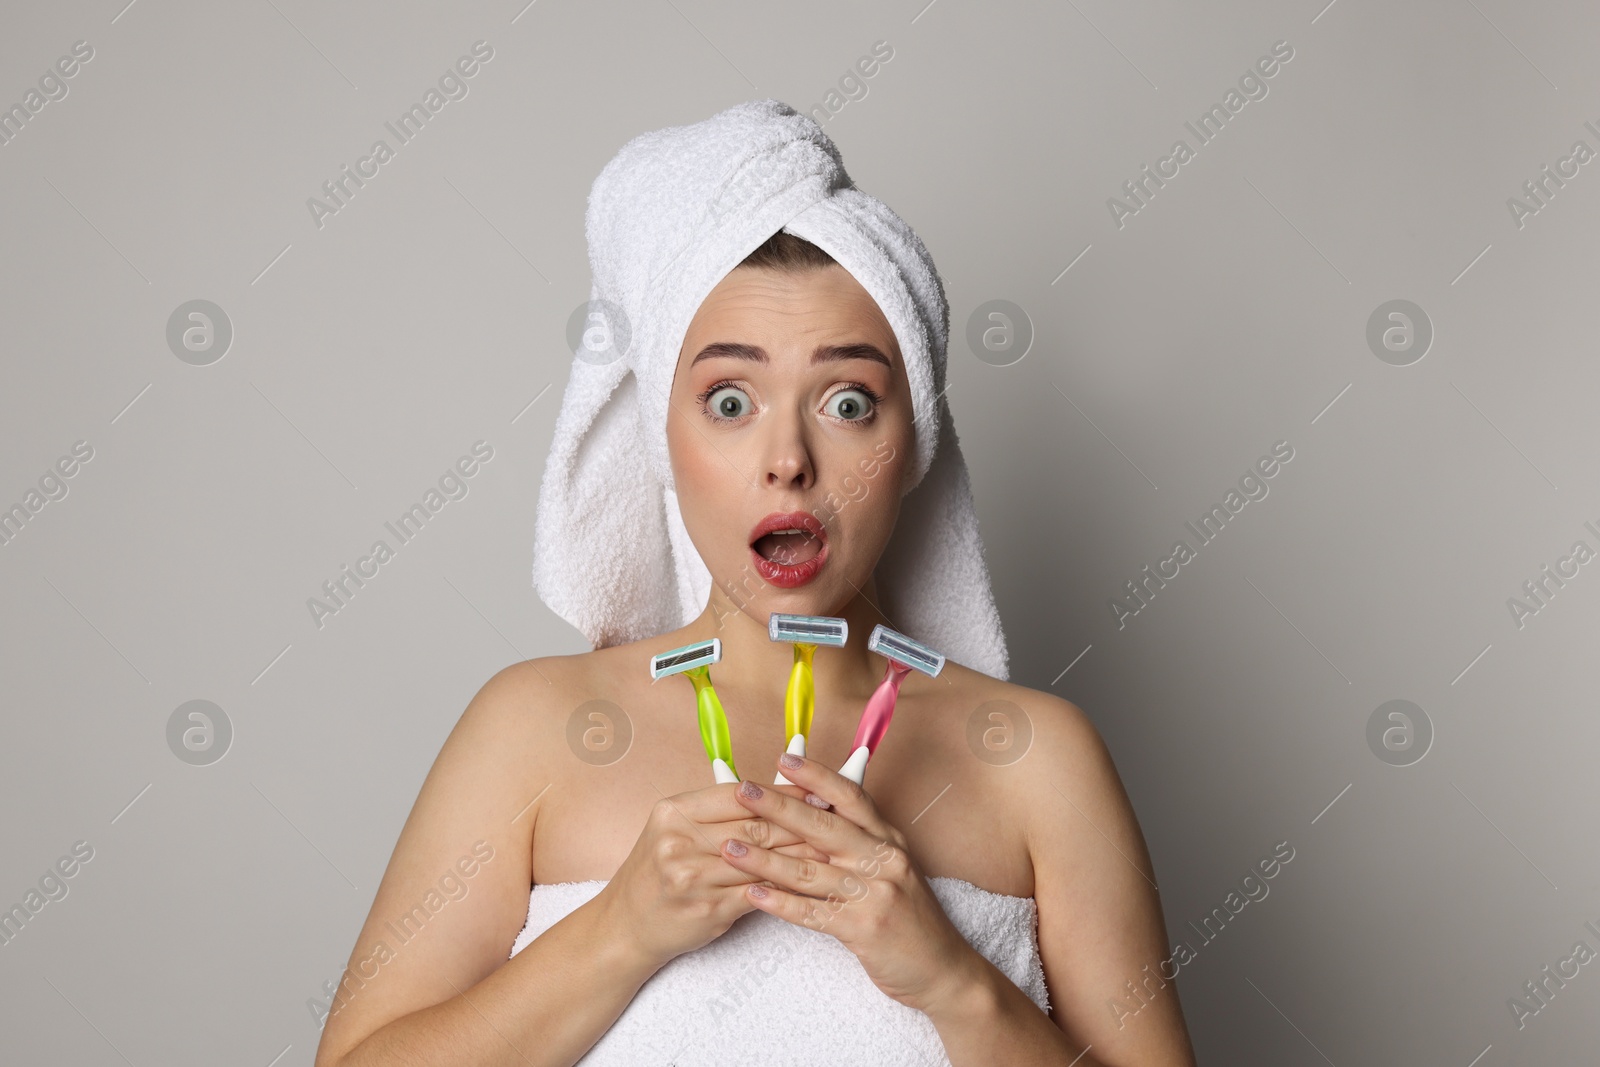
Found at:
(760, 431)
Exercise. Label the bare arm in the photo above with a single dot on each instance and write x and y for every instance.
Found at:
(428, 980)
(1101, 935)
(546, 1006)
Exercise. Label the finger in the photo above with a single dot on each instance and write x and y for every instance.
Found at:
(724, 875)
(834, 792)
(711, 814)
(804, 850)
(795, 908)
(728, 876)
(797, 874)
(716, 803)
(762, 833)
(830, 831)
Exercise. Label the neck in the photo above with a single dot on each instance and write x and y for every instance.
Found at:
(753, 664)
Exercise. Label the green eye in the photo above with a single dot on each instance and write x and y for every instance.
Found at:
(729, 402)
(849, 404)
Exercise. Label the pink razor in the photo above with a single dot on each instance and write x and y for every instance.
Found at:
(903, 655)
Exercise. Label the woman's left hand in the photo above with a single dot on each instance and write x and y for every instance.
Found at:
(868, 892)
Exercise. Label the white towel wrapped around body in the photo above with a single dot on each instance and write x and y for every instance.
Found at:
(768, 991)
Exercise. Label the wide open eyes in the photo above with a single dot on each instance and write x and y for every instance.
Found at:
(727, 402)
(851, 405)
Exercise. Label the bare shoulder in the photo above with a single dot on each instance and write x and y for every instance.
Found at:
(1054, 776)
(520, 703)
(525, 710)
(531, 685)
(1040, 736)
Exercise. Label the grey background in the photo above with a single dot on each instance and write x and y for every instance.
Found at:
(1228, 314)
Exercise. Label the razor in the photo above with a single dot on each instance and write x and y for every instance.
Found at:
(904, 655)
(805, 632)
(695, 661)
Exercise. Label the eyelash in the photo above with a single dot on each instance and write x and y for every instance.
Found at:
(860, 387)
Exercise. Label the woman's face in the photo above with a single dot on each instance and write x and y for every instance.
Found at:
(789, 432)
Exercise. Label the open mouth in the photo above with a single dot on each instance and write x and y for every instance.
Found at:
(789, 548)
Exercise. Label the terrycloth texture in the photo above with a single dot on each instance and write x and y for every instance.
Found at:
(768, 991)
(668, 218)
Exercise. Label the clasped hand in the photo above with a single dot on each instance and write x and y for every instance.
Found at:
(867, 891)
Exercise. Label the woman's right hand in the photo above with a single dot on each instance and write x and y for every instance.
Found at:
(675, 892)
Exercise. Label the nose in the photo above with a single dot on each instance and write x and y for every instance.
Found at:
(787, 460)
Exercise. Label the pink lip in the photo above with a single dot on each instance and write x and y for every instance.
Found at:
(785, 575)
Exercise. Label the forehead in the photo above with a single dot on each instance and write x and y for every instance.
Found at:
(806, 306)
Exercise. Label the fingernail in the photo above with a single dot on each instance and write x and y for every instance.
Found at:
(791, 761)
(750, 790)
(816, 801)
(737, 848)
(758, 891)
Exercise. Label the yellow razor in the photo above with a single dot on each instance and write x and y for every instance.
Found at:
(805, 632)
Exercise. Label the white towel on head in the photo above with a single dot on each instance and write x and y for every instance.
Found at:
(668, 218)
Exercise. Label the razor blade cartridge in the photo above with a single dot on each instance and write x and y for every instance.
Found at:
(808, 629)
(902, 649)
(687, 658)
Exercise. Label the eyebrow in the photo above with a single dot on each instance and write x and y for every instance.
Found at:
(823, 353)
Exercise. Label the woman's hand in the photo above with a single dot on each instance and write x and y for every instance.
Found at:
(865, 889)
(673, 893)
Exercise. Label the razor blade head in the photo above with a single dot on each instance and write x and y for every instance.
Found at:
(687, 658)
(897, 646)
(808, 629)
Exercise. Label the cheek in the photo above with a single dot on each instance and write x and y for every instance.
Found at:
(688, 453)
(869, 523)
(866, 493)
(713, 484)
(701, 477)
